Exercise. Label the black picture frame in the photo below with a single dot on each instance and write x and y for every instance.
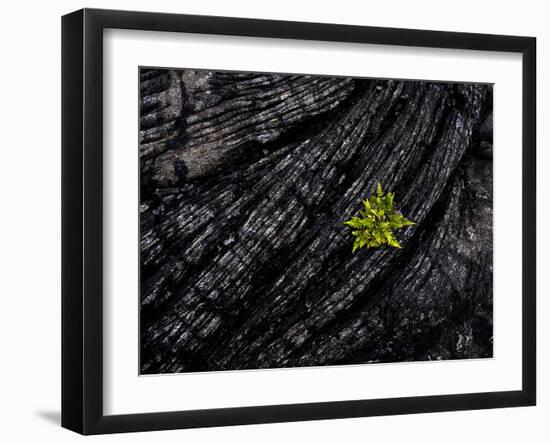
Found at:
(82, 218)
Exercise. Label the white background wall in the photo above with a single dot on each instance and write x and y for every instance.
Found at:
(30, 219)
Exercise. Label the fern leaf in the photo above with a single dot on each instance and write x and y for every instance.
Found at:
(377, 223)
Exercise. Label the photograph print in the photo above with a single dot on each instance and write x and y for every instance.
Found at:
(291, 220)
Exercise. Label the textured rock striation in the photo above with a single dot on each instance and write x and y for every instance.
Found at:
(245, 182)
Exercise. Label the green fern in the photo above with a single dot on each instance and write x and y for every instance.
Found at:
(377, 222)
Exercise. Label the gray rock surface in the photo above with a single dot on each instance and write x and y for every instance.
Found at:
(245, 182)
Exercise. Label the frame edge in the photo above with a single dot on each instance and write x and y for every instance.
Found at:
(529, 220)
(72, 117)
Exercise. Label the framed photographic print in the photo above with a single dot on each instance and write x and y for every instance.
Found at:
(270, 221)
